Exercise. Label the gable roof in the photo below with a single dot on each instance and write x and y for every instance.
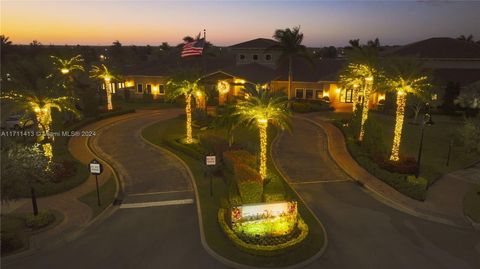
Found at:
(438, 48)
(258, 43)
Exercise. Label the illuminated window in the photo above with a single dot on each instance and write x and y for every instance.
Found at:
(139, 88)
(299, 93)
(162, 89)
(255, 57)
(268, 57)
(309, 94)
(148, 88)
(434, 97)
(319, 94)
(346, 95)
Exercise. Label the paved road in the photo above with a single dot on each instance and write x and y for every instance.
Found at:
(362, 232)
(148, 237)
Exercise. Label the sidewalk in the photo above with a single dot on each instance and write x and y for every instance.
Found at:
(76, 215)
(444, 199)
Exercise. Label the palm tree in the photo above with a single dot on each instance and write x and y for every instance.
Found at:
(351, 80)
(364, 66)
(185, 86)
(258, 110)
(290, 43)
(67, 67)
(404, 76)
(103, 73)
(468, 38)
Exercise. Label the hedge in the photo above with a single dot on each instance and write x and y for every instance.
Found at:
(39, 221)
(238, 156)
(273, 190)
(193, 150)
(259, 249)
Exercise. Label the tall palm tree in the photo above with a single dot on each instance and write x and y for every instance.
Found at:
(258, 110)
(290, 43)
(67, 67)
(404, 76)
(365, 66)
(102, 72)
(185, 86)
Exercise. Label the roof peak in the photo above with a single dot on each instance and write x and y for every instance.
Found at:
(257, 43)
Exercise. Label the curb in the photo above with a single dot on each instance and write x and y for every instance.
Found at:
(205, 245)
(378, 196)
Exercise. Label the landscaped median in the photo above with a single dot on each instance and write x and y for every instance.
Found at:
(270, 240)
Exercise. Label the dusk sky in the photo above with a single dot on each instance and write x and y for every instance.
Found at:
(229, 22)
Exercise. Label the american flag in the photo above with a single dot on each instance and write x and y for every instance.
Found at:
(193, 48)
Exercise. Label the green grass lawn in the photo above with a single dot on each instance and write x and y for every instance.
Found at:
(471, 204)
(15, 234)
(435, 144)
(107, 195)
(216, 239)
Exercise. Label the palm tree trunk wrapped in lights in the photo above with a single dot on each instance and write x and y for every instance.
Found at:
(188, 112)
(399, 116)
(262, 127)
(366, 101)
(108, 88)
(355, 92)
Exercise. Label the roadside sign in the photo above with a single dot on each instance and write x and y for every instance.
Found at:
(210, 160)
(96, 168)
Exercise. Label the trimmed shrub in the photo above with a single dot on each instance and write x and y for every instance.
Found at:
(250, 192)
(417, 187)
(373, 142)
(273, 190)
(264, 250)
(406, 165)
(233, 195)
(232, 157)
(41, 220)
(193, 150)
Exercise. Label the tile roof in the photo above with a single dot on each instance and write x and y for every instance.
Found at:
(318, 70)
(258, 43)
(438, 48)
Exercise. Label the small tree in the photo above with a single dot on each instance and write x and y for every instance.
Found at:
(102, 72)
(22, 167)
(185, 84)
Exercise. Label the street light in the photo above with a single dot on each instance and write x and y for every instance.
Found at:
(427, 121)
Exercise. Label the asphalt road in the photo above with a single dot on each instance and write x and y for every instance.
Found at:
(148, 237)
(362, 232)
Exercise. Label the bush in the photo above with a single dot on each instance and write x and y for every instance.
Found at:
(193, 150)
(41, 220)
(233, 195)
(417, 187)
(232, 157)
(274, 190)
(397, 181)
(11, 241)
(373, 142)
(264, 250)
(63, 170)
(250, 192)
(306, 106)
(406, 165)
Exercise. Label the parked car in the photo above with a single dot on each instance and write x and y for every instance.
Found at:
(17, 122)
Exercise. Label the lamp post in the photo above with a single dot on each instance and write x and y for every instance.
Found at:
(427, 121)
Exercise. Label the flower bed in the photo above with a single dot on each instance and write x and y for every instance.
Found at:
(267, 245)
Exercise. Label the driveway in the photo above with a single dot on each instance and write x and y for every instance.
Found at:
(362, 232)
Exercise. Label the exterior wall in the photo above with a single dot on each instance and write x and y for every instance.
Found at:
(157, 85)
(262, 56)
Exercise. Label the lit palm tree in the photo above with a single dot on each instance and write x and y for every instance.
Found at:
(365, 66)
(187, 87)
(66, 66)
(103, 73)
(350, 80)
(290, 44)
(404, 76)
(258, 110)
